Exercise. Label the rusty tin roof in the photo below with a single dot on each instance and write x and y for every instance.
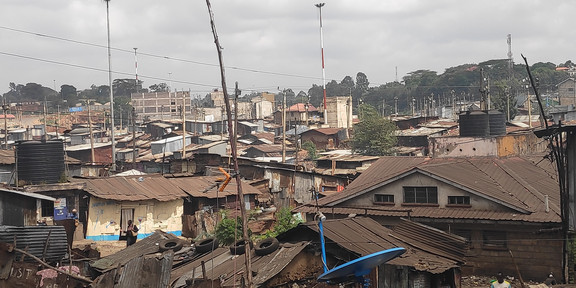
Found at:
(519, 183)
(134, 188)
(427, 249)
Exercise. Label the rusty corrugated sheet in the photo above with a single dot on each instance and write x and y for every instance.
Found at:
(204, 186)
(148, 245)
(433, 240)
(36, 239)
(134, 188)
(515, 182)
(365, 236)
(147, 271)
(228, 269)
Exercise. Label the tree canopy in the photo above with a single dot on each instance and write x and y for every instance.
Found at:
(374, 135)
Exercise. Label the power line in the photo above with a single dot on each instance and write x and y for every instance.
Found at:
(158, 56)
(102, 70)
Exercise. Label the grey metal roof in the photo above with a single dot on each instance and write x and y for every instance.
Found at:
(34, 239)
(28, 194)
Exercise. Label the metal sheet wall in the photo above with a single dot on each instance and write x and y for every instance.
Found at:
(35, 239)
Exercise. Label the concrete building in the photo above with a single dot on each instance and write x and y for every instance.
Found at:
(567, 91)
(161, 105)
(339, 112)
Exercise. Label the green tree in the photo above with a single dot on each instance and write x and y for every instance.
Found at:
(374, 135)
(161, 87)
(311, 149)
(362, 85)
(228, 230)
(69, 94)
(284, 222)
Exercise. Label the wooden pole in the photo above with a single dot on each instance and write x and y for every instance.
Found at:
(233, 146)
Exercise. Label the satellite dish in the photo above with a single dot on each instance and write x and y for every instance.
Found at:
(360, 267)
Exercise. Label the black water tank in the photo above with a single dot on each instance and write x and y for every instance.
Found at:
(497, 121)
(40, 162)
(474, 124)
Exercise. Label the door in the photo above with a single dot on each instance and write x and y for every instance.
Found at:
(125, 215)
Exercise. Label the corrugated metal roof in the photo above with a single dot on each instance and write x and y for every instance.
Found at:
(433, 250)
(325, 131)
(28, 194)
(146, 271)
(204, 186)
(461, 214)
(222, 265)
(35, 238)
(148, 245)
(514, 182)
(134, 188)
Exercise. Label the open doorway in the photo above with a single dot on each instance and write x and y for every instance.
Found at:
(125, 215)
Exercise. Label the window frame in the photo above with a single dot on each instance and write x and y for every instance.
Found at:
(431, 194)
(387, 196)
(464, 203)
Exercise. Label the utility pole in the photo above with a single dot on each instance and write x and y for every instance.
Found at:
(237, 93)
(183, 124)
(113, 167)
(91, 134)
(283, 126)
(136, 70)
(233, 149)
(134, 154)
(45, 120)
(5, 108)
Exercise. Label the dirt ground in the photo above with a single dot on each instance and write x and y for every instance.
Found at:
(104, 247)
(484, 282)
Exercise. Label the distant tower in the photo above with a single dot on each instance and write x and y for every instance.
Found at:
(510, 72)
(510, 59)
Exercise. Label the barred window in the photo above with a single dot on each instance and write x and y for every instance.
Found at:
(459, 200)
(421, 195)
(383, 199)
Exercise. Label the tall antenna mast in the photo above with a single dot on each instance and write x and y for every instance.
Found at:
(320, 5)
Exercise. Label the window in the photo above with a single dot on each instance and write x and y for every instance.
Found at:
(383, 199)
(494, 239)
(421, 195)
(47, 208)
(458, 200)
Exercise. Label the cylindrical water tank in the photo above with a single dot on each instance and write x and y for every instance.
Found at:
(40, 162)
(474, 124)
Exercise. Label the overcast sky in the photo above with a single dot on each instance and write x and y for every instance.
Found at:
(270, 44)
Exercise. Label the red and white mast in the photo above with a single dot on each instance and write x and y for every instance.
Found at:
(320, 5)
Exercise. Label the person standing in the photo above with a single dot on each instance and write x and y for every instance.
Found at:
(131, 233)
(500, 282)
